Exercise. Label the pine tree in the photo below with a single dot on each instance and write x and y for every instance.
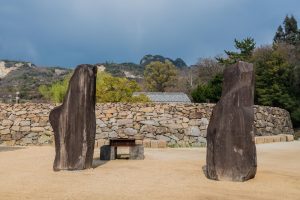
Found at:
(290, 34)
(279, 35)
(245, 47)
(290, 25)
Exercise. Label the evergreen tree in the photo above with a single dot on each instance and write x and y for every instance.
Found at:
(279, 35)
(290, 25)
(160, 75)
(210, 92)
(274, 82)
(245, 47)
(290, 34)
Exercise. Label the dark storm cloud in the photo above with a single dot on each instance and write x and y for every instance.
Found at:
(69, 32)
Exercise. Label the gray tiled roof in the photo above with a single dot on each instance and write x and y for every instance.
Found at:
(167, 97)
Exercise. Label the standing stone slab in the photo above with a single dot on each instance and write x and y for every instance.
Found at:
(74, 122)
(231, 151)
(136, 152)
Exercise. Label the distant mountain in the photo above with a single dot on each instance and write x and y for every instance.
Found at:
(26, 77)
(136, 71)
(147, 59)
(128, 70)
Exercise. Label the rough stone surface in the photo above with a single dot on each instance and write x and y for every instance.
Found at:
(136, 152)
(166, 119)
(231, 151)
(74, 122)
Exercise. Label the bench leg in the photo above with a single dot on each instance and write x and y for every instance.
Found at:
(136, 152)
(108, 152)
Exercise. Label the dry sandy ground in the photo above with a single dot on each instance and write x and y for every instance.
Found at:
(164, 174)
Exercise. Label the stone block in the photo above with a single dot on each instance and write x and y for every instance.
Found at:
(147, 109)
(6, 137)
(150, 122)
(110, 111)
(112, 134)
(9, 143)
(25, 129)
(289, 138)
(26, 141)
(130, 131)
(259, 140)
(154, 144)
(17, 135)
(100, 123)
(185, 120)
(276, 138)
(15, 128)
(17, 121)
(108, 152)
(282, 138)
(148, 128)
(147, 143)
(21, 113)
(139, 137)
(163, 138)
(44, 139)
(193, 131)
(122, 122)
(203, 133)
(7, 122)
(185, 125)
(163, 130)
(32, 135)
(136, 152)
(269, 139)
(4, 131)
(101, 136)
(150, 135)
(195, 115)
(138, 142)
(204, 121)
(195, 122)
(162, 144)
(37, 129)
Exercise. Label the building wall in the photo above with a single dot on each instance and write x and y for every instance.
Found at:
(177, 124)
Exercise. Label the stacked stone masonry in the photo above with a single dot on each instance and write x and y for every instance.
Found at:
(150, 123)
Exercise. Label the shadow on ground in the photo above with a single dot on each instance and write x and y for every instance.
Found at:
(5, 148)
(97, 162)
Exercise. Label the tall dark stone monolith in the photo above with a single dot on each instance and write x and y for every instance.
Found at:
(74, 122)
(231, 151)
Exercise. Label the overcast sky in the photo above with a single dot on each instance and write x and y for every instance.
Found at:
(71, 32)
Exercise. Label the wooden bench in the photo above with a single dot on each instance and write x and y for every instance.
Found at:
(109, 152)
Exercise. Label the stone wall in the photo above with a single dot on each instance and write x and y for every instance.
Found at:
(177, 124)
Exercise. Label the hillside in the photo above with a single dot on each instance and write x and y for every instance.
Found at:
(136, 71)
(147, 59)
(26, 77)
(128, 70)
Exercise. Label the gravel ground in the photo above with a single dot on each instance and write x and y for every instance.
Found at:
(26, 173)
